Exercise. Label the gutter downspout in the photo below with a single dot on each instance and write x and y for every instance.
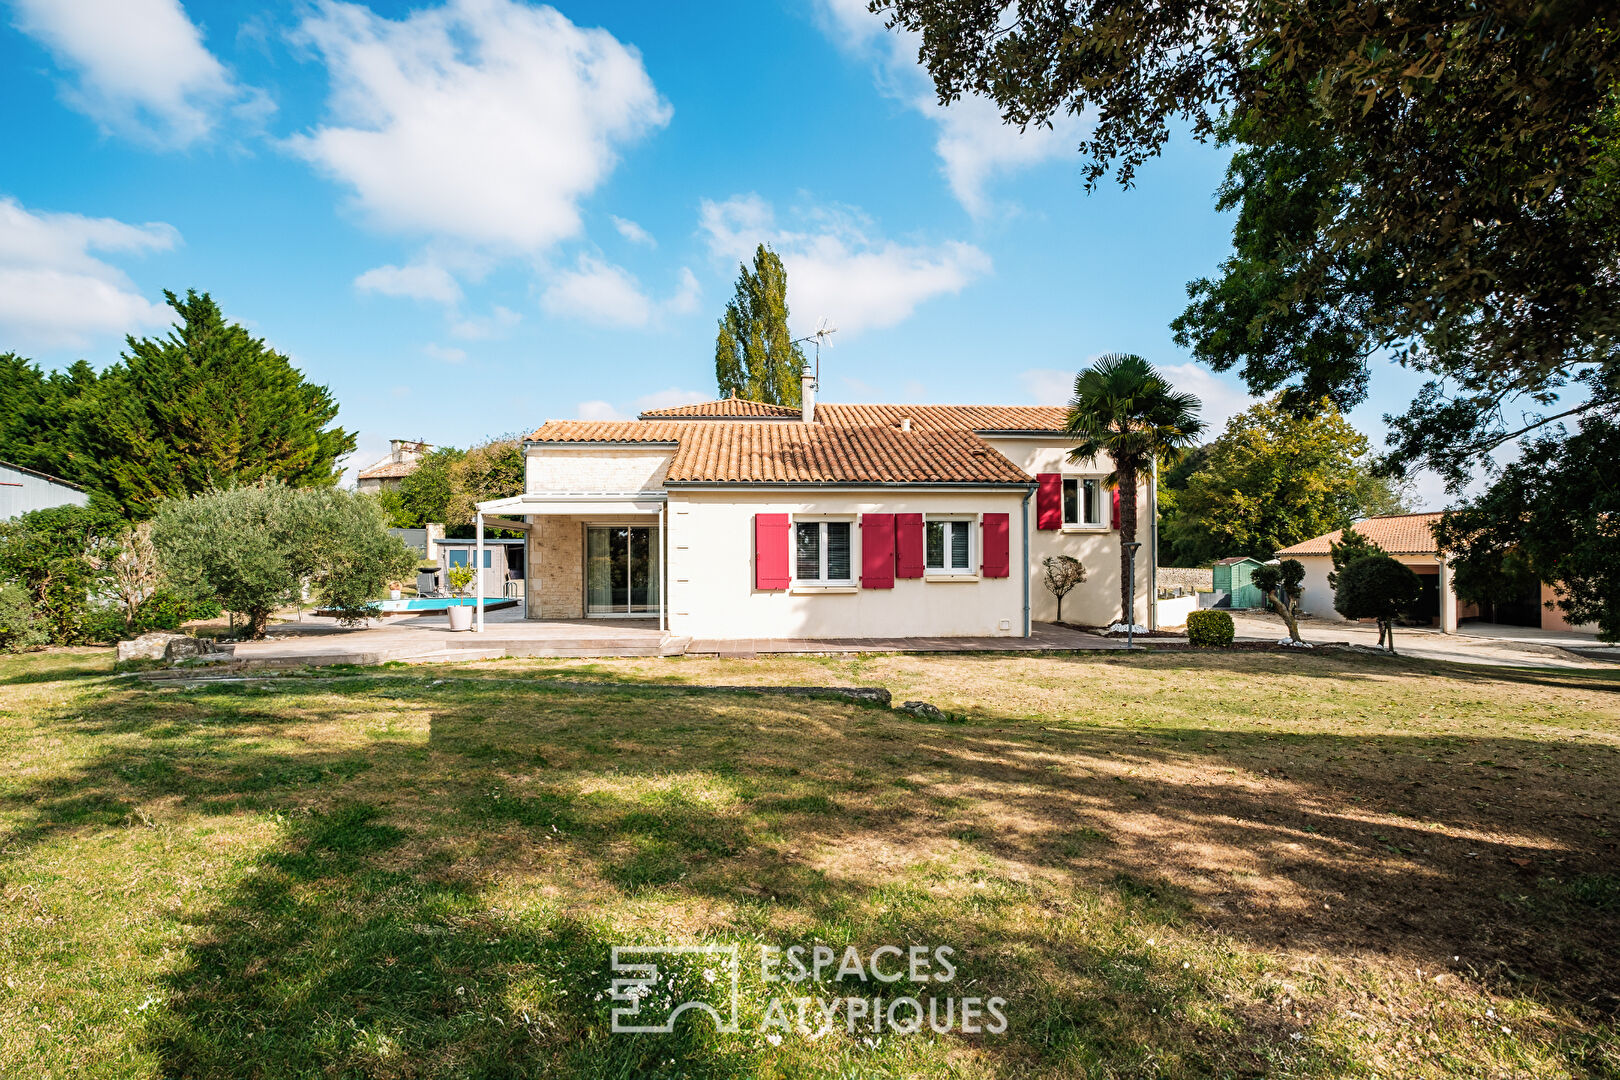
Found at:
(1028, 569)
(1153, 547)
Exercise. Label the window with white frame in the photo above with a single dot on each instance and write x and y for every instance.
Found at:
(1083, 502)
(821, 552)
(948, 545)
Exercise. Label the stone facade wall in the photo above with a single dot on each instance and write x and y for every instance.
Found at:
(555, 583)
(556, 568)
(1194, 578)
(596, 469)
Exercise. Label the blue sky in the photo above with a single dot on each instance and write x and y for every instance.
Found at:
(469, 217)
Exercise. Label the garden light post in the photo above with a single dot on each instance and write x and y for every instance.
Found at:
(1130, 586)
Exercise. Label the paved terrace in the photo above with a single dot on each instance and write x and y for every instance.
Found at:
(427, 638)
(423, 638)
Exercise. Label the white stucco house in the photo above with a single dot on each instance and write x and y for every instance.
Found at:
(739, 519)
(1409, 539)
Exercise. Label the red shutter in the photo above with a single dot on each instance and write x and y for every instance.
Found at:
(997, 562)
(1116, 508)
(877, 551)
(1049, 501)
(908, 545)
(771, 551)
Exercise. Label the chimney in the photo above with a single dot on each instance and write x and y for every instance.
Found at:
(905, 423)
(807, 394)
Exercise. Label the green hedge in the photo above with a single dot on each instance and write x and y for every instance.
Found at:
(1209, 628)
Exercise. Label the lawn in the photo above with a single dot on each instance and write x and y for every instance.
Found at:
(1171, 865)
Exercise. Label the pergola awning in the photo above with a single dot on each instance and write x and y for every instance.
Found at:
(578, 502)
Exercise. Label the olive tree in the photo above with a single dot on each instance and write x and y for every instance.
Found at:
(255, 548)
(1283, 584)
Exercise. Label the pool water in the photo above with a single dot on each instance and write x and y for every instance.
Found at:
(439, 603)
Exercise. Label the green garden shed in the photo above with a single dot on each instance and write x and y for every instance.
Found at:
(1234, 577)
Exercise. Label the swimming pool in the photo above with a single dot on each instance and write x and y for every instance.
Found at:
(439, 603)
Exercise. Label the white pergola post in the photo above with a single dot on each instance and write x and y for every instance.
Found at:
(663, 568)
(1448, 598)
(478, 572)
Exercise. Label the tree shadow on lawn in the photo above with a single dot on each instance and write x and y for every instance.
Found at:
(447, 907)
(1325, 664)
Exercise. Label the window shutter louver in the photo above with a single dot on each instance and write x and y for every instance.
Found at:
(997, 538)
(771, 551)
(877, 551)
(1049, 501)
(908, 545)
(1116, 508)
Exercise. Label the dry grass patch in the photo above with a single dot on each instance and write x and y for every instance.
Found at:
(1171, 865)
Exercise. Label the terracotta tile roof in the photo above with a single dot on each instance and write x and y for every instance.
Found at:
(947, 417)
(1398, 534)
(388, 469)
(740, 451)
(739, 407)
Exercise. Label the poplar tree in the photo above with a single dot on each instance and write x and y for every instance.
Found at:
(754, 354)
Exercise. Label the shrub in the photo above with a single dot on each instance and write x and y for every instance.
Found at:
(19, 629)
(55, 557)
(1377, 587)
(1209, 628)
(163, 610)
(251, 549)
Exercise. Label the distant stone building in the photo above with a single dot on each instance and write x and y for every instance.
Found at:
(22, 490)
(403, 457)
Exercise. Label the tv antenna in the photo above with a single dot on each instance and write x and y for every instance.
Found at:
(824, 330)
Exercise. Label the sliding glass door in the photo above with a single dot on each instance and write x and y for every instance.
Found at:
(621, 570)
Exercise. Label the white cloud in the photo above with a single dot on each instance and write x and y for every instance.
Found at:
(687, 293)
(498, 323)
(669, 399)
(447, 353)
(418, 281)
(53, 291)
(633, 232)
(598, 292)
(1047, 386)
(973, 144)
(1221, 397)
(837, 268)
(482, 121)
(598, 410)
(604, 294)
(141, 66)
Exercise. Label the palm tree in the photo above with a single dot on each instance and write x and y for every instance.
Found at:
(1123, 408)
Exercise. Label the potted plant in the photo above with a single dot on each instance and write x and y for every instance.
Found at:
(461, 615)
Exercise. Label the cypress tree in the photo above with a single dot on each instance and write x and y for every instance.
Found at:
(754, 354)
(207, 406)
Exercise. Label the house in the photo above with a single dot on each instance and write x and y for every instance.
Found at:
(22, 490)
(402, 459)
(1409, 539)
(742, 519)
